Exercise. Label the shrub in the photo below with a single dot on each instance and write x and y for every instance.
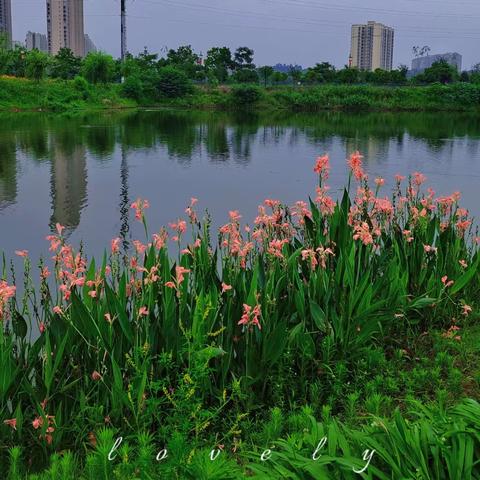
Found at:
(98, 67)
(81, 85)
(244, 95)
(173, 83)
(133, 88)
(37, 63)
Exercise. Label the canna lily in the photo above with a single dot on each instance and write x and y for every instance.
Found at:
(12, 423)
(21, 253)
(140, 206)
(251, 317)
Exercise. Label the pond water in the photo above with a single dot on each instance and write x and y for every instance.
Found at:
(85, 171)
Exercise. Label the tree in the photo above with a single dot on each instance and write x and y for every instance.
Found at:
(279, 77)
(172, 82)
(441, 72)
(321, 73)
(348, 75)
(243, 58)
(36, 65)
(296, 75)
(219, 62)
(184, 58)
(98, 67)
(65, 65)
(265, 73)
(464, 77)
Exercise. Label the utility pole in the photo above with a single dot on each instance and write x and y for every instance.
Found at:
(124, 29)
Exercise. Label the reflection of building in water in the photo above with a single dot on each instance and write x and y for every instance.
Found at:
(8, 174)
(68, 185)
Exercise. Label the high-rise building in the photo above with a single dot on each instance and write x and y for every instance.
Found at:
(65, 26)
(372, 47)
(37, 41)
(89, 45)
(6, 19)
(420, 64)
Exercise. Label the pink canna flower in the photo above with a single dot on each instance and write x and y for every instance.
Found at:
(234, 216)
(96, 376)
(379, 182)
(463, 263)
(37, 423)
(251, 317)
(419, 178)
(92, 293)
(21, 253)
(225, 287)
(355, 164)
(57, 310)
(41, 327)
(322, 167)
(108, 318)
(170, 285)
(446, 282)
(44, 273)
(115, 244)
(12, 423)
(429, 249)
(467, 309)
(140, 206)
(399, 178)
(143, 311)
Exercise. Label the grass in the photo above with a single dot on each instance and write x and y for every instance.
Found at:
(60, 96)
(356, 320)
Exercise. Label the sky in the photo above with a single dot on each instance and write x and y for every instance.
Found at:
(279, 31)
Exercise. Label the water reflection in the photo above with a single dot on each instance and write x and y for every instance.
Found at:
(101, 155)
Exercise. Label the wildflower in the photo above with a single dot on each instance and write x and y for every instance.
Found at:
(41, 327)
(140, 206)
(325, 202)
(6, 292)
(399, 178)
(96, 376)
(275, 248)
(143, 311)
(57, 310)
(362, 232)
(190, 212)
(12, 423)
(159, 239)
(250, 317)
(463, 263)
(225, 287)
(322, 167)
(60, 229)
(44, 273)
(37, 423)
(379, 182)
(108, 318)
(115, 244)
(355, 163)
(180, 227)
(407, 235)
(467, 309)
(446, 282)
(92, 293)
(310, 255)
(21, 253)
(234, 216)
(429, 249)
(139, 247)
(419, 178)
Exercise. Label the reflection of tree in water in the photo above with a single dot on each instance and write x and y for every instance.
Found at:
(100, 140)
(214, 134)
(124, 200)
(8, 171)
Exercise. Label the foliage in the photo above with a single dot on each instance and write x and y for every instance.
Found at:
(298, 309)
(98, 67)
(65, 65)
(265, 74)
(172, 83)
(219, 61)
(36, 65)
(441, 72)
(245, 95)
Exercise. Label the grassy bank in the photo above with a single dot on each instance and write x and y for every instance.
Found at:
(56, 95)
(354, 320)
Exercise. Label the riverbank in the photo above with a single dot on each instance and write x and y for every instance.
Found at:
(77, 95)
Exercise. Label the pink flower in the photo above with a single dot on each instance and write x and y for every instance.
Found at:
(37, 423)
(140, 206)
(170, 285)
(355, 163)
(467, 309)
(115, 244)
(379, 182)
(463, 263)
(143, 311)
(225, 287)
(429, 249)
(45, 273)
(251, 317)
(96, 376)
(322, 167)
(41, 327)
(60, 228)
(57, 310)
(446, 282)
(108, 318)
(419, 178)
(92, 293)
(234, 216)
(12, 423)
(399, 178)
(21, 253)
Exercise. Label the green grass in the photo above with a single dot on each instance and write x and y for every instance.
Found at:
(54, 95)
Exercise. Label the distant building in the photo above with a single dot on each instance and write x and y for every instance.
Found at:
(37, 41)
(420, 64)
(65, 26)
(372, 47)
(89, 45)
(6, 19)
(284, 68)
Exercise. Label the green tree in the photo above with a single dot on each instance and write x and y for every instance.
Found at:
(184, 58)
(265, 74)
(441, 72)
(219, 62)
(172, 82)
(36, 65)
(321, 73)
(348, 75)
(65, 65)
(243, 58)
(98, 67)
(279, 77)
(296, 75)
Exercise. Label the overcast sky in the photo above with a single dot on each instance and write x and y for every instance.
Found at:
(283, 31)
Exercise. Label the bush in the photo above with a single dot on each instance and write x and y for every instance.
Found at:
(173, 83)
(82, 86)
(37, 63)
(244, 95)
(133, 88)
(98, 67)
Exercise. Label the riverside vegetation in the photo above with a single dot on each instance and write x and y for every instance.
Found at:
(319, 331)
(224, 80)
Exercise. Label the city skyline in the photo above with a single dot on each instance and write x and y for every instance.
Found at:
(6, 18)
(291, 32)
